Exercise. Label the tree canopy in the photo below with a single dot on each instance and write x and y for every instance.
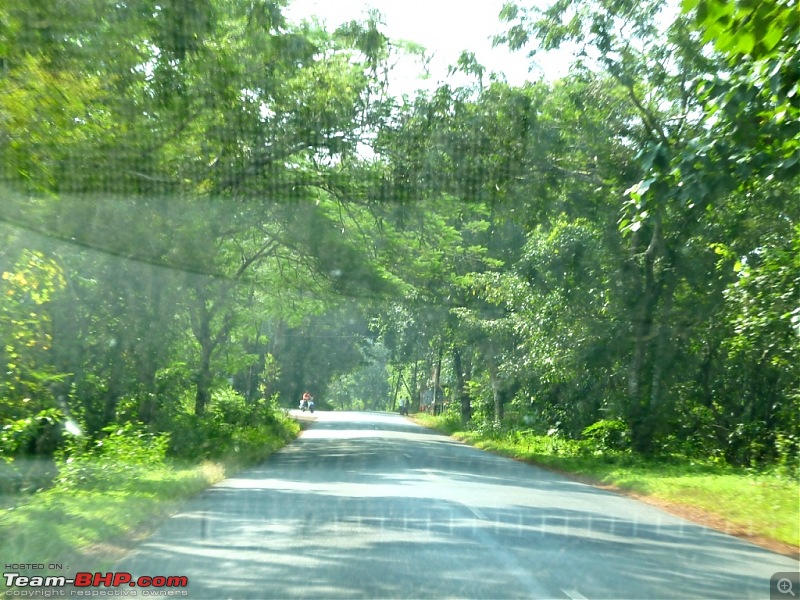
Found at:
(208, 208)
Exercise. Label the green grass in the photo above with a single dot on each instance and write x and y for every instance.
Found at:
(750, 503)
(92, 522)
(71, 526)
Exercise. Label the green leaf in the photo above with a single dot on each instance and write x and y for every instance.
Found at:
(772, 37)
(745, 43)
(688, 6)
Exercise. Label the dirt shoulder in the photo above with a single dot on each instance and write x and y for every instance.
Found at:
(688, 512)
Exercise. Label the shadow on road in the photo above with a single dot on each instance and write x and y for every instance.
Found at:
(351, 511)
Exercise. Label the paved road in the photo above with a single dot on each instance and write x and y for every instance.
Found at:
(369, 505)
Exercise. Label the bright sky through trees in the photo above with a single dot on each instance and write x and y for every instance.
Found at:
(445, 28)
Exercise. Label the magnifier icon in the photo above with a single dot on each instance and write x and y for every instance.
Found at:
(785, 586)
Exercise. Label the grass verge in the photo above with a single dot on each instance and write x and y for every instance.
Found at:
(92, 526)
(68, 526)
(761, 507)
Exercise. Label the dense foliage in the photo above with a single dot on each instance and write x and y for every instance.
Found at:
(207, 210)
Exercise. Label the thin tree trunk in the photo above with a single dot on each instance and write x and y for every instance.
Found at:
(201, 327)
(461, 393)
(114, 389)
(204, 379)
(415, 384)
(396, 390)
(496, 400)
(436, 378)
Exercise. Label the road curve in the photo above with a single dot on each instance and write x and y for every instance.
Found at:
(370, 505)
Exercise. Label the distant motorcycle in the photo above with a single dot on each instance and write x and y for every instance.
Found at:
(307, 405)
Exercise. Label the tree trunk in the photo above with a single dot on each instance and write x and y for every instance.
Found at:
(642, 338)
(663, 355)
(114, 388)
(437, 409)
(396, 390)
(496, 400)
(204, 379)
(201, 327)
(461, 393)
(415, 385)
(149, 401)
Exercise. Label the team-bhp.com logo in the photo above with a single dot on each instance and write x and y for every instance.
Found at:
(96, 580)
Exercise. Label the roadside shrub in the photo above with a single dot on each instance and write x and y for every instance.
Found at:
(606, 434)
(694, 432)
(486, 428)
(231, 429)
(125, 451)
(26, 447)
(450, 419)
(551, 444)
(787, 447)
(28, 435)
(254, 444)
(229, 406)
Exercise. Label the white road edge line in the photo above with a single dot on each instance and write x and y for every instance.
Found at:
(476, 512)
(479, 514)
(574, 595)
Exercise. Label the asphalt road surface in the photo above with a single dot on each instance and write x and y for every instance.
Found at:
(369, 505)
